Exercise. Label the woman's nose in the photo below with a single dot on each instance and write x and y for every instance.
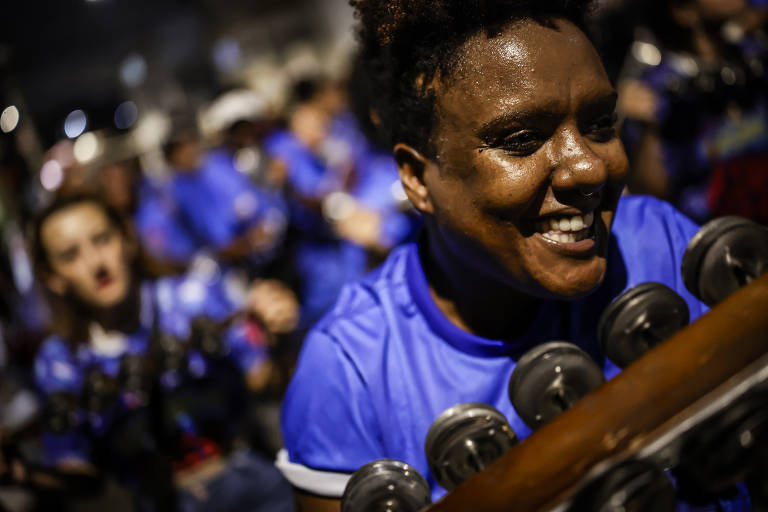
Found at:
(93, 258)
(576, 167)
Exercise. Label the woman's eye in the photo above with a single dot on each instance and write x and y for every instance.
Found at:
(102, 238)
(68, 256)
(521, 143)
(603, 129)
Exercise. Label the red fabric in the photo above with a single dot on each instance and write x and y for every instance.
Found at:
(739, 186)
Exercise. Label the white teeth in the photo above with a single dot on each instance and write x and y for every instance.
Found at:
(566, 229)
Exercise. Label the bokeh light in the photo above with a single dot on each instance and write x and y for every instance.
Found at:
(247, 160)
(646, 53)
(75, 123)
(51, 175)
(133, 70)
(126, 115)
(86, 148)
(9, 119)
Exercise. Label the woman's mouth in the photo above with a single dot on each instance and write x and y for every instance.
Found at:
(566, 229)
(103, 279)
(570, 235)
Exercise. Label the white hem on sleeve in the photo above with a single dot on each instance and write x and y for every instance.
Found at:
(322, 483)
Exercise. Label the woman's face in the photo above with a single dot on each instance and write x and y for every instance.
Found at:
(87, 255)
(528, 167)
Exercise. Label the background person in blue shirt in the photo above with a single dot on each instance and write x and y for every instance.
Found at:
(340, 194)
(133, 382)
(502, 122)
(220, 207)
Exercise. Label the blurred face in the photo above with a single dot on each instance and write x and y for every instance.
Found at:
(87, 255)
(310, 125)
(187, 156)
(528, 169)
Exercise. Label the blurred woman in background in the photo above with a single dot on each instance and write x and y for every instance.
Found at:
(143, 378)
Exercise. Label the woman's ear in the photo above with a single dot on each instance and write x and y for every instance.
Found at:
(412, 165)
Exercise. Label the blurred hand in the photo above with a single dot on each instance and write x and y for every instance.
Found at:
(637, 101)
(277, 173)
(275, 304)
(362, 226)
(262, 237)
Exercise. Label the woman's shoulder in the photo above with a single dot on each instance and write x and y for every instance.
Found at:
(651, 237)
(55, 366)
(54, 347)
(370, 297)
(641, 214)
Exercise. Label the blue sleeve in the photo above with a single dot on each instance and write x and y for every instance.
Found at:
(652, 236)
(327, 418)
(55, 370)
(194, 295)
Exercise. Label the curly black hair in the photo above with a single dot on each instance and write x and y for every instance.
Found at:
(406, 43)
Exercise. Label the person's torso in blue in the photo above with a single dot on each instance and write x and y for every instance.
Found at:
(218, 203)
(324, 262)
(159, 226)
(168, 305)
(385, 362)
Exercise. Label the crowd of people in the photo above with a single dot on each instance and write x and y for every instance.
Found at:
(151, 320)
(168, 313)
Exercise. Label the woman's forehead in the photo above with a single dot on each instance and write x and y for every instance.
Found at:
(525, 64)
(71, 223)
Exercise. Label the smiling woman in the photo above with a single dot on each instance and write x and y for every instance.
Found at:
(501, 119)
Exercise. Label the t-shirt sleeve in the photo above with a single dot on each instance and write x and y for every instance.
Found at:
(653, 237)
(328, 421)
(681, 231)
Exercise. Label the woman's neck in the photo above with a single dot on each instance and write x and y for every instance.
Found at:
(473, 300)
(122, 317)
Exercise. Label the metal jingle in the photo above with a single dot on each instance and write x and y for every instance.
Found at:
(549, 379)
(726, 254)
(638, 320)
(722, 451)
(634, 485)
(386, 485)
(464, 439)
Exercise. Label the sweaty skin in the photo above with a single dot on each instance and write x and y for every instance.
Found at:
(524, 133)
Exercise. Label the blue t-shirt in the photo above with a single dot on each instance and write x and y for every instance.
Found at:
(385, 362)
(159, 225)
(218, 204)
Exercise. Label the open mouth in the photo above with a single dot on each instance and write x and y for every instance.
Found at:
(103, 278)
(566, 228)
